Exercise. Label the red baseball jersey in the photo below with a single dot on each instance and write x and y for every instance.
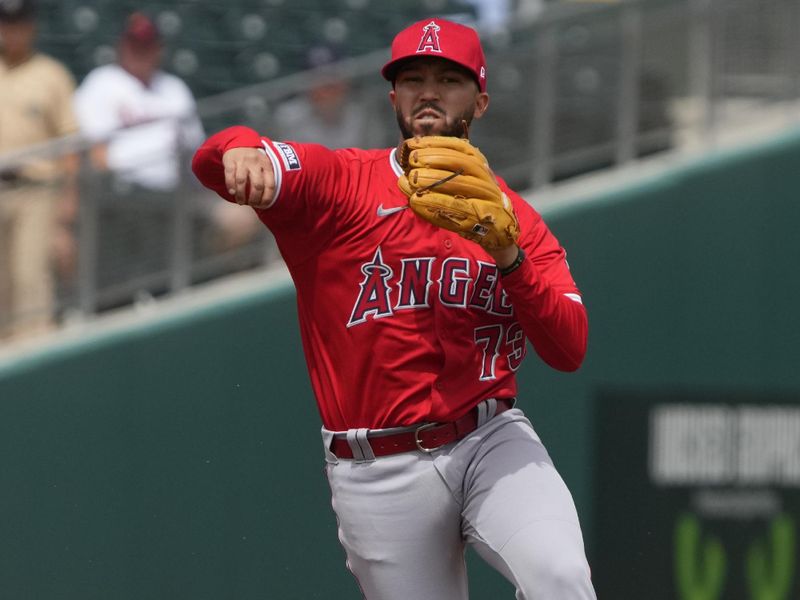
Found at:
(401, 321)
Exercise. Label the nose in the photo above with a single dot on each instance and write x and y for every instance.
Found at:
(429, 90)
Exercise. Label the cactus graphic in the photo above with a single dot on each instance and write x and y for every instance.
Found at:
(699, 571)
(772, 581)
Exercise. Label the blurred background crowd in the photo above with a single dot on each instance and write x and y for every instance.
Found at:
(102, 102)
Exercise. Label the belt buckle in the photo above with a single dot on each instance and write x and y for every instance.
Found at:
(418, 442)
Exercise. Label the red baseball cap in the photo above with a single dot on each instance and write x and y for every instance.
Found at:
(443, 39)
(141, 32)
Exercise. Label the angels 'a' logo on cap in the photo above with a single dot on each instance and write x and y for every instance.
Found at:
(429, 42)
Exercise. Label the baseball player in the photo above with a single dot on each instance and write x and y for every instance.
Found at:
(420, 276)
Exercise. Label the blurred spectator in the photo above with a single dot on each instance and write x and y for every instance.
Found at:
(144, 123)
(329, 113)
(38, 198)
(496, 17)
(493, 16)
(141, 116)
(529, 10)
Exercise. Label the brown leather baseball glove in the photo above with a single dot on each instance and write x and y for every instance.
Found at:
(449, 183)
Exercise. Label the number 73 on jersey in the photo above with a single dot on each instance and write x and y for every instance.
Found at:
(498, 342)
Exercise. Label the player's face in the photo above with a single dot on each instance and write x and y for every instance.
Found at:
(433, 96)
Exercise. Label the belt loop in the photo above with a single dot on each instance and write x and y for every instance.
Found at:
(491, 408)
(486, 410)
(327, 441)
(359, 444)
(481, 413)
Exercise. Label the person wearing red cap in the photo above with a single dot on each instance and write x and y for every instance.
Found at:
(139, 115)
(413, 335)
(141, 120)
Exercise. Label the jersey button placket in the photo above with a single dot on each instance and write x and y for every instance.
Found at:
(448, 244)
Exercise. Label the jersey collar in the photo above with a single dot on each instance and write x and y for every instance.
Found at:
(393, 162)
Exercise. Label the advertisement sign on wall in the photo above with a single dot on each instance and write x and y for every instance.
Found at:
(698, 497)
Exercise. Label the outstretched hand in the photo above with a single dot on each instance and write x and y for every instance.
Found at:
(249, 177)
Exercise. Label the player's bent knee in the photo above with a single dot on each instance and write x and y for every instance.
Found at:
(564, 578)
(556, 569)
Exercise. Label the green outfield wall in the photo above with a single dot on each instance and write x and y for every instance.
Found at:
(180, 459)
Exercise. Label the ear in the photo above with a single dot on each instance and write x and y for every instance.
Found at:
(481, 104)
(393, 98)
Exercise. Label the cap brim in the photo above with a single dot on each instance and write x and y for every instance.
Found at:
(389, 70)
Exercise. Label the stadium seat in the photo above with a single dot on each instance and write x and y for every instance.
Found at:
(217, 46)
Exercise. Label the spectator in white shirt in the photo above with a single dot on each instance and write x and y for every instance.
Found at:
(141, 116)
(143, 121)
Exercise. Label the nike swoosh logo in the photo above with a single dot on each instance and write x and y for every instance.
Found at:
(385, 212)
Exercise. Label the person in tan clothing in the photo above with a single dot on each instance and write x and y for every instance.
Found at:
(38, 197)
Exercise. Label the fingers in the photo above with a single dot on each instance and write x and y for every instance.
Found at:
(257, 187)
(243, 175)
(230, 173)
(249, 177)
(236, 173)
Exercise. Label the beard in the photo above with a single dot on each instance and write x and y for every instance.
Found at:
(453, 127)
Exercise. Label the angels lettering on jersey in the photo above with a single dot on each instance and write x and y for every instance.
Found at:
(462, 283)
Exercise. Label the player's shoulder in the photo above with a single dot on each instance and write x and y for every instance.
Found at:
(298, 155)
(365, 156)
(378, 163)
(355, 157)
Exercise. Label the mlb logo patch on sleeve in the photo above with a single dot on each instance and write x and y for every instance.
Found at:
(291, 162)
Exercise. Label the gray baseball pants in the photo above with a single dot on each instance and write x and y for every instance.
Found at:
(404, 519)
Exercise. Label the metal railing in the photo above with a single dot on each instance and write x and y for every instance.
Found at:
(584, 87)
